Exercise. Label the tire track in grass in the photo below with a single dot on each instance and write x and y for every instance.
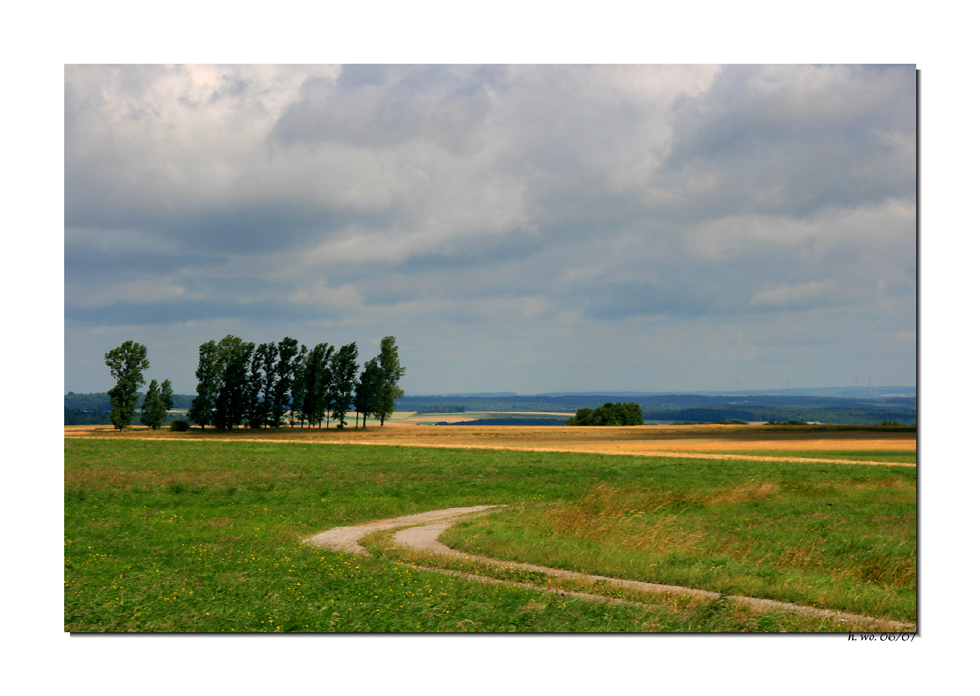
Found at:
(345, 538)
(421, 532)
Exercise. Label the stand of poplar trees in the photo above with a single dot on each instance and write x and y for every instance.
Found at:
(270, 384)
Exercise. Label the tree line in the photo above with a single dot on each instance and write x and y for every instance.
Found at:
(265, 385)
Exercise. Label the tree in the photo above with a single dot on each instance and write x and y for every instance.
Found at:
(391, 372)
(167, 395)
(632, 414)
(367, 392)
(126, 365)
(584, 416)
(343, 375)
(265, 355)
(232, 403)
(257, 406)
(153, 413)
(157, 402)
(609, 414)
(297, 385)
(316, 399)
(209, 378)
(283, 383)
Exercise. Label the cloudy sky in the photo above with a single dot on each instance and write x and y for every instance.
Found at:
(517, 228)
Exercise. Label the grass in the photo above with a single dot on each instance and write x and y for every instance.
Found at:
(205, 536)
(677, 613)
(844, 544)
(901, 456)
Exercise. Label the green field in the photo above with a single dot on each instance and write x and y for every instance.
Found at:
(902, 456)
(205, 537)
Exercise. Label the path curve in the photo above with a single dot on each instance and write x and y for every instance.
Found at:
(345, 538)
(422, 532)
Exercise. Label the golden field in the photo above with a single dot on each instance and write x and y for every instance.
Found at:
(703, 441)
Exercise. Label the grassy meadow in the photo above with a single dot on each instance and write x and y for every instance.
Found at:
(900, 456)
(168, 536)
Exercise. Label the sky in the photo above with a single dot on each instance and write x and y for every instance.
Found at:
(523, 228)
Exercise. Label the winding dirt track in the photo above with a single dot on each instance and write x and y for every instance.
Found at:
(422, 531)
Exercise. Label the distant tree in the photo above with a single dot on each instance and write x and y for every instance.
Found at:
(391, 372)
(257, 407)
(367, 391)
(156, 404)
(283, 384)
(126, 365)
(297, 388)
(343, 376)
(167, 395)
(609, 414)
(317, 398)
(632, 414)
(266, 355)
(232, 403)
(584, 416)
(209, 378)
(150, 412)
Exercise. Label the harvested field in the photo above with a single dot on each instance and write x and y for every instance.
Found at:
(709, 441)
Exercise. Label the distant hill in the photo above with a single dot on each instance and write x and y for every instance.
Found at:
(94, 409)
(840, 392)
(827, 405)
(777, 406)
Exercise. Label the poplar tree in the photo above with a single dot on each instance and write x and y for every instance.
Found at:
(266, 354)
(317, 397)
(342, 379)
(126, 365)
(391, 372)
(209, 376)
(232, 403)
(368, 390)
(297, 385)
(153, 413)
(286, 366)
(166, 395)
(257, 407)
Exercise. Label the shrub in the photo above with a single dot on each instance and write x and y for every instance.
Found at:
(180, 426)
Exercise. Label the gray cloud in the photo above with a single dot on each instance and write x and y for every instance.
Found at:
(384, 106)
(515, 211)
(793, 140)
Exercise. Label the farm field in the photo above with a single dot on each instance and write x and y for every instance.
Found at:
(202, 532)
(802, 442)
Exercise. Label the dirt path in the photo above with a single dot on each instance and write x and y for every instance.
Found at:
(422, 533)
(345, 538)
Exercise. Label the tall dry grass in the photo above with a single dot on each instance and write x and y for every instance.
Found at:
(637, 518)
(839, 545)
